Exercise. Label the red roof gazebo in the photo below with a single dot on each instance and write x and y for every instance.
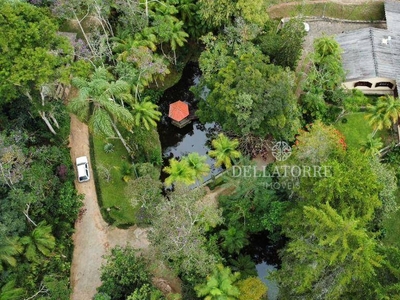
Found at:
(179, 113)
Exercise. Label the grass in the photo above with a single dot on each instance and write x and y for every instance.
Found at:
(372, 12)
(116, 208)
(357, 129)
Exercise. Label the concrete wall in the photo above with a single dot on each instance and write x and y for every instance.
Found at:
(372, 90)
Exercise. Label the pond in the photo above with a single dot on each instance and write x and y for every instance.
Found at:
(194, 137)
(264, 253)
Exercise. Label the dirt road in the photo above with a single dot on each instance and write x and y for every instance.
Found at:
(93, 237)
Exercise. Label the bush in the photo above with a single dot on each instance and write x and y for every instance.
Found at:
(124, 272)
(127, 171)
(147, 146)
(108, 148)
(149, 169)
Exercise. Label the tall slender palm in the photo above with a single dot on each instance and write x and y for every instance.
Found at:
(107, 112)
(40, 241)
(177, 37)
(384, 113)
(8, 250)
(224, 150)
(219, 285)
(146, 113)
(198, 164)
(179, 171)
(372, 146)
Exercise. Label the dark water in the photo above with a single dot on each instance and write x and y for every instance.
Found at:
(194, 137)
(264, 253)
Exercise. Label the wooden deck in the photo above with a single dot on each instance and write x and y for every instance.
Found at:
(185, 121)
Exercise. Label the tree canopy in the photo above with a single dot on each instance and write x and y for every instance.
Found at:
(247, 93)
(31, 51)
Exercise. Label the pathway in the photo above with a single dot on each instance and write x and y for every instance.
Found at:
(93, 237)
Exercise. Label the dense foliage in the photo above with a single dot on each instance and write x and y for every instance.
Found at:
(124, 274)
(333, 218)
(39, 207)
(247, 92)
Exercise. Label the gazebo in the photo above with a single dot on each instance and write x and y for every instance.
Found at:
(179, 113)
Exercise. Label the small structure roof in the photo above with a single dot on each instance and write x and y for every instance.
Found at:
(178, 110)
(370, 52)
(392, 13)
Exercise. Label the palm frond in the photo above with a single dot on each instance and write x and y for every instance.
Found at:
(101, 123)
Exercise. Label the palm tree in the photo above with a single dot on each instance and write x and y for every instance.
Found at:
(372, 146)
(384, 113)
(327, 46)
(179, 171)
(103, 93)
(377, 120)
(10, 292)
(390, 106)
(234, 239)
(244, 265)
(224, 150)
(219, 285)
(125, 42)
(187, 10)
(146, 113)
(8, 250)
(198, 164)
(177, 36)
(40, 241)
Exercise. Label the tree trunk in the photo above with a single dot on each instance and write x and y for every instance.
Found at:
(374, 132)
(44, 118)
(42, 114)
(26, 213)
(51, 115)
(174, 57)
(83, 31)
(130, 152)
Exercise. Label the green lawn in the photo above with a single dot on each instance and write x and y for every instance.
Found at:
(372, 11)
(115, 207)
(356, 129)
